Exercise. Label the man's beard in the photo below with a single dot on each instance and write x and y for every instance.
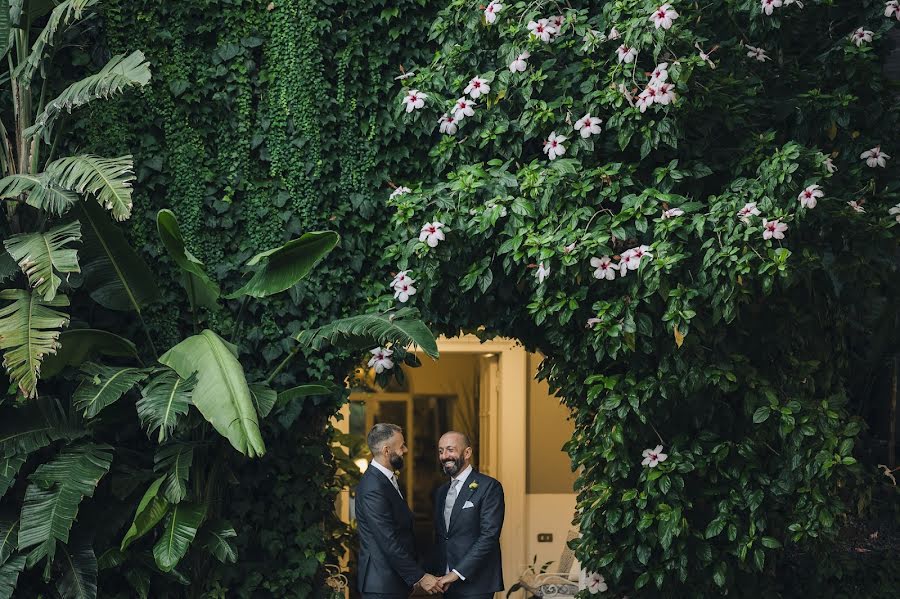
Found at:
(452, 466)
(396, 461)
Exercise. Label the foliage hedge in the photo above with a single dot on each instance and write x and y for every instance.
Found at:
(751, 361)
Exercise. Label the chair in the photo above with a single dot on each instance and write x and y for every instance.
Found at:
(557, 584)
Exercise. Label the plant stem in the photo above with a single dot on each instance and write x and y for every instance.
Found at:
(149, 336)
(281, 366)
(237, 321)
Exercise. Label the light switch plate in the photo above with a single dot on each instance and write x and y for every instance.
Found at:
(545, 537)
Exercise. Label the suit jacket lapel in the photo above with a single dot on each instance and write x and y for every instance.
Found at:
(462, 497)
(386, 483)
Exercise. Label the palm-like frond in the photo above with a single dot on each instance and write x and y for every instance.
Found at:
(174, 461)
(103, 385)
(202, 291)
(42, 193)
(164, 399)
(80, 345)
(79, 571)
(9, 576)
(33, 425)
(263, 398)
(66, 13)
(29, 329)
(53, 497)
(217, 540)
(120, 73)
(8, 266)
(402, 327)
(42, 255)
(9, 468)
(9, 532)
(181, 528)
(117, 276)
(107, 179)
(150, 511)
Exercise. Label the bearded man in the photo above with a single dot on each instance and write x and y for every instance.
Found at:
(387, 563)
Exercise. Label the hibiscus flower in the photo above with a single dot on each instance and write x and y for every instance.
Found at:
(592, 582)
(652, 457)
(659, 74)
(491, 10)
(554, 147)
(400, 191)
(381, 359)
(757, 53)
(463, 108)
(542, 272)
(768, 6)
(448, 124)
(604, 268)
(431, 233)
(809, 197)
(747, 211)
(672, 213)
(588, 125)
(861, 36)
(774, 229)
(542, 29)
(874, 157)
(519, 64)
(414, 100)
(477, 87)
(664, 16)
(626, 54)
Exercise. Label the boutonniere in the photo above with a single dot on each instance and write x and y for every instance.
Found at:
(473, 485)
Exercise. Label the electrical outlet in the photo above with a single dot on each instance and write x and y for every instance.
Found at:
(545, 537)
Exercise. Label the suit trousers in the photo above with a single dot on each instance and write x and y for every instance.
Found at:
(451, 594)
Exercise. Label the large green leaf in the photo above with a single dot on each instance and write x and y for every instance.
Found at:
(402, 327)
(221, 393)
(163, 401)
(8, 266)
(64, 14)
(103, 385)
(180, 530)
(201, 290)
(9, 533)
(174, 462)
(29, 329)
(282, 267)
(263, 398)
(79, 345)
(34, 425)
(307, 390)
(9, 468)
(9, 576)
(42, 193)
(78, 564)
(217, 540)
(116, 276)
(52, 498)
(120, 73)
(107, 179)
(42, 255)
(150, 511)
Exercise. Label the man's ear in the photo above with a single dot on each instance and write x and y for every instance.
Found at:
(468, 453)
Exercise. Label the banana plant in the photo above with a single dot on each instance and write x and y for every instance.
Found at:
(43, 193)
(195, 403)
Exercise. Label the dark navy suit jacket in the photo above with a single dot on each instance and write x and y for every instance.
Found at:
(472, 545)
(387, 548)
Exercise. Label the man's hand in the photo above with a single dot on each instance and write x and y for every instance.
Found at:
(448, 579)
(431, 585)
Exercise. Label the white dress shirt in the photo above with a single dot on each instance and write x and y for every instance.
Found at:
(461, 477)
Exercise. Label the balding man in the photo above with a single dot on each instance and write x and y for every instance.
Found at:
(468, 516)
(387, 564)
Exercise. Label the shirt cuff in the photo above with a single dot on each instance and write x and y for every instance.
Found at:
(461, 577)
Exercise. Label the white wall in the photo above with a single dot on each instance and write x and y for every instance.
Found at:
(548, 513)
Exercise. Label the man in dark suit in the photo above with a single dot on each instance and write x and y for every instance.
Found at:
(468, 517)
(387, 564)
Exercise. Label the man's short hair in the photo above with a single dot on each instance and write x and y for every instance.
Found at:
(380, 434)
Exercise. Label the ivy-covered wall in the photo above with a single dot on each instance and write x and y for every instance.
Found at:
(265, 120)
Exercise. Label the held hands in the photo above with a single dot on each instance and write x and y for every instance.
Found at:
(431, 585)
(448, 579)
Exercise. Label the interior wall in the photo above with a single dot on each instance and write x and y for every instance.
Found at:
(549, 428)
(549, 514)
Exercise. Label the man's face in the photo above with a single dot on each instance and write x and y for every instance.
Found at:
(452, 454)
(395, 449)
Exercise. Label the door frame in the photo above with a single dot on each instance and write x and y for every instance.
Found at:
(507, 452)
